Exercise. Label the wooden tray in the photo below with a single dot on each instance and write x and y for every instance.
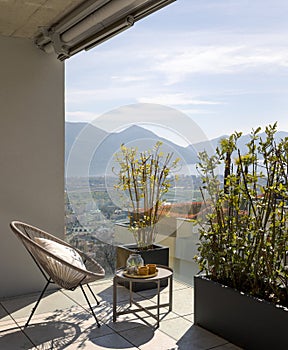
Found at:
(126, 274)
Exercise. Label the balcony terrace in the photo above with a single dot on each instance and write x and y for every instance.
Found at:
(32, 90)
(62, 321)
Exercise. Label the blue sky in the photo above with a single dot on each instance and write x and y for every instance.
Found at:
(224, 64)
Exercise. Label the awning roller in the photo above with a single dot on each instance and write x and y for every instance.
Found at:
(93, 23)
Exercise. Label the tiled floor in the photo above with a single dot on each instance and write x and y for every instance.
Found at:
(62, 322)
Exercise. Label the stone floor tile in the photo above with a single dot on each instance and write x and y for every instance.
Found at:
(21, 307)
(189, 317)
(122, 294)
(13, 338)
(176, 327)
(63, 321)
(145, 338)
(53, 335)
(142, 316)
(197, 338)
(7, 322)
(75, 326)
(182, 302)
(74, 314)
(180, 285)
(89, 330)
(5, 319)
(153, 292)
(99, 289)
(123, 325)
(108, 342)
(3, 312)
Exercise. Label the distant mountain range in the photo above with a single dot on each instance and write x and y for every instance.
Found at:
(93, 148)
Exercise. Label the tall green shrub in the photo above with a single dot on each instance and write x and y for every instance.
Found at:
(244, 232)
(143, 180)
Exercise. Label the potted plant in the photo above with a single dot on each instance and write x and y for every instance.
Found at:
(243, 293)
(143, 180)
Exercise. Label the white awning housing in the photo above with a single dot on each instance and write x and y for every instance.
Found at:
(92, 23)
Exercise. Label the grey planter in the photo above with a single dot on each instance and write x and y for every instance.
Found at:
(243, 320)
(159, 255)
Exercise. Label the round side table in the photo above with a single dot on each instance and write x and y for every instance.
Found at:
(164, 272)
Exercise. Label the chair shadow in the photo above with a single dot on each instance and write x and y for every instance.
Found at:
(65, 327)
(55, 331)
(46, 335)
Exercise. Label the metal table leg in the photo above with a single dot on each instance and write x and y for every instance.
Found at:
(170, 292)
(114, 298)
(130, 292)
(158, 303)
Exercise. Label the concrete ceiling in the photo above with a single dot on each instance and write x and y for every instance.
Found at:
(66, 27)
(23, 18)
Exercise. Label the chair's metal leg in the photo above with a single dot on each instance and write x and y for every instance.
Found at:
(98, 324)
(91, 291)
(38, 301)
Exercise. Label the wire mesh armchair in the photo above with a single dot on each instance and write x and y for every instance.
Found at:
(59, 262)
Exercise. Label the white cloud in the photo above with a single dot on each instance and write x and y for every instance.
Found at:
(128, 79)
(195, 111)
(106, 93)
(175, 56)
(175, 99)
(179, 55)
(220, 60)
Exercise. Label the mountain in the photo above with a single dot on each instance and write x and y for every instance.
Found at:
(90, 147)
(90, 151)
(242, 142)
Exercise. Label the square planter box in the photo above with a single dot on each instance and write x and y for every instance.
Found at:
(158, 255)
(243, 320)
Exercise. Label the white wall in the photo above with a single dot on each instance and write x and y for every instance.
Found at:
(31, 155)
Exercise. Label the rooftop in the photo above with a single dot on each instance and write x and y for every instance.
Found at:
(63, 322)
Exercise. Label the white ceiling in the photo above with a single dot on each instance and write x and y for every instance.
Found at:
(23, 18)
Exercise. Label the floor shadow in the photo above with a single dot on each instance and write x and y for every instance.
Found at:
(11, 305)
(48, 335)
(123, 293)
(135, 335)
(199, 338)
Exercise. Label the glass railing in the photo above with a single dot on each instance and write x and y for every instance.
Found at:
(182, 243)
(181, 236)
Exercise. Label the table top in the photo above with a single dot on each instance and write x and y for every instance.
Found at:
(163, 272)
